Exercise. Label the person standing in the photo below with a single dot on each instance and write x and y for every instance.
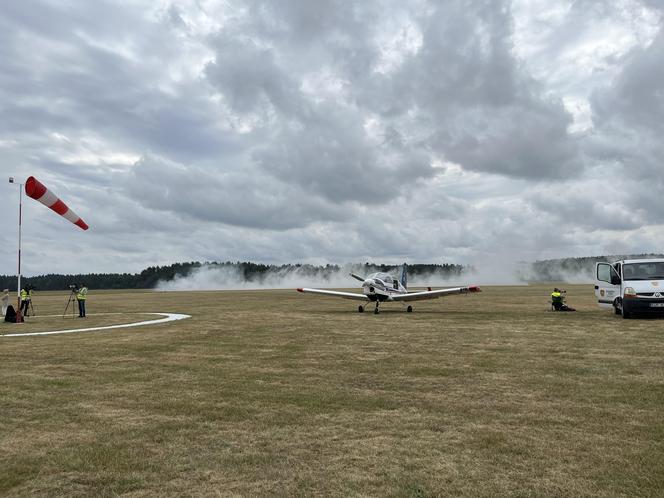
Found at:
(25, 300)
(81, 294)
(5, 302)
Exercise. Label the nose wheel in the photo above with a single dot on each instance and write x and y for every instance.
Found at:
(376, 310)
(360, 309)
(409, 309)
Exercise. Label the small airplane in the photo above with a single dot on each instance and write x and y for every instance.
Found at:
(380, 287)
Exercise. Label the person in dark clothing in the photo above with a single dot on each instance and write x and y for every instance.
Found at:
(10, 315)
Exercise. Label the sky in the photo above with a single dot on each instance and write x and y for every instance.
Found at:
(331, 131)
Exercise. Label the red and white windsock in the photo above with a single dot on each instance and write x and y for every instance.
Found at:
(35, 189)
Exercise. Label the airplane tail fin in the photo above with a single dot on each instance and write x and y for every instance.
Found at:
(404, 276)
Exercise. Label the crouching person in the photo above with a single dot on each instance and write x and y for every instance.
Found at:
(558, 300)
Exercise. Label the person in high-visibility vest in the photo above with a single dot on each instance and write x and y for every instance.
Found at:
(25, 300)
(558, 301)
(81, 294)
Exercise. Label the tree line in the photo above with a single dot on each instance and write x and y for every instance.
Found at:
(251, 272)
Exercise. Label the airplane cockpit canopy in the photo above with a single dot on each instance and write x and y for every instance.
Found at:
(385, 277)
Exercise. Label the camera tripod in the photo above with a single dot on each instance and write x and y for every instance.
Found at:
(71, 301)
(29, 309)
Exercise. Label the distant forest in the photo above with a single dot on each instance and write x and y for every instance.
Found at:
(252, 272)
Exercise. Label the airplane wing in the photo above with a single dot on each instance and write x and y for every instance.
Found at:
(433, 294)
(345, 295)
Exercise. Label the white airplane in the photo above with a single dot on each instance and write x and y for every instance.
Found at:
(381, 287)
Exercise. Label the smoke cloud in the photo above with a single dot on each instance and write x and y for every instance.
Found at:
(498, 272)
(213, 277)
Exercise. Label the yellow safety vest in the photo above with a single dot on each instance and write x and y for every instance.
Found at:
(82, 292)
(556, 297)
(24, 295)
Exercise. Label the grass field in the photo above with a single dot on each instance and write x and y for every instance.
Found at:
(279, 393)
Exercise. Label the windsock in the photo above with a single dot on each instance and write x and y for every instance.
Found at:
(35, 189)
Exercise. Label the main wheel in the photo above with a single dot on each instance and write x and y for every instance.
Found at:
(409, 309)
(360, 309)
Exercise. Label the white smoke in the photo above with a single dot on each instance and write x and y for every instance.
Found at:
(556, 272)
(497, 271)
(232, 278)
(494, 271)
(213, 277)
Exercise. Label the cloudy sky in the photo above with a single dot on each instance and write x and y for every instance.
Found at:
(332, 130)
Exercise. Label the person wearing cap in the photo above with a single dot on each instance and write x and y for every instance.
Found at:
(81, 294)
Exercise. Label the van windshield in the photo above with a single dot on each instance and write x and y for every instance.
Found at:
(644, 271)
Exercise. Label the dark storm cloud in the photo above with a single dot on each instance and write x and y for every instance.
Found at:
(460, 96)
(100, 69)
(233, 197)
(250, 78)
(635, 99)
(573, 205)
(629, 124)
(318, 142)
(484, 112)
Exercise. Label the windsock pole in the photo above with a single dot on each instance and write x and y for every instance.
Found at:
(19, 317)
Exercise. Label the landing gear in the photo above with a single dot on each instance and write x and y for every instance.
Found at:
(409, 309)
(376, 310)
(360, 309)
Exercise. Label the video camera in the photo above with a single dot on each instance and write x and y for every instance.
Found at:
(73, 287)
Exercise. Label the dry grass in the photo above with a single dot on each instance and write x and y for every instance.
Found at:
(276, 393)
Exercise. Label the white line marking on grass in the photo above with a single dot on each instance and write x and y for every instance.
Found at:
(169, 317)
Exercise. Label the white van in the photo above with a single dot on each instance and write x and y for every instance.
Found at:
(631, 286)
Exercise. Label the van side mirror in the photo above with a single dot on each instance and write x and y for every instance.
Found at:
(615, 279)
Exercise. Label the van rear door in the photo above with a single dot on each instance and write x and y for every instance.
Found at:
(607, 284)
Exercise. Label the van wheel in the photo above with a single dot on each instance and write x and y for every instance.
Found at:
(617, 306)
